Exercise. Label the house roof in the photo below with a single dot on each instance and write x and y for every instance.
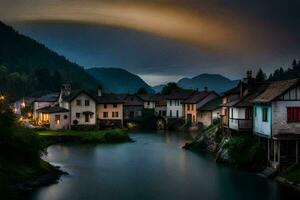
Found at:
(48, 97)
(235, 90)
(212, 105)
(76, 93)
(54, 109)
(132, 100)
(109, 98)
(197, 97)
(231, 103)
(180, 94)
(145, 97)
(247, 101)
(274, 90)
(159, 99)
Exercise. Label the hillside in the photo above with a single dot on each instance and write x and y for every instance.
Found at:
(215, 82)
(21, 54)
(118, 80)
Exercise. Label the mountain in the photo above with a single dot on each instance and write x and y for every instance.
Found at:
(118, 80)
(214, 82)
(29, 61)
(158, 88)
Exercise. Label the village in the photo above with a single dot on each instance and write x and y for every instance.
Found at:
(268, 111)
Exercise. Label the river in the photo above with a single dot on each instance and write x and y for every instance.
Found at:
(153, 167)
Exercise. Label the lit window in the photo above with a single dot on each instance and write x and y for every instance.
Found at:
(57, 119)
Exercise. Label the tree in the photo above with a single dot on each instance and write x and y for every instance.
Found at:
(169, 88)
(260, 76)
(142, 90)
(295, 64)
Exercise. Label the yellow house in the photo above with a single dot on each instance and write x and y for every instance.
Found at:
(194, 102)
(109, 111)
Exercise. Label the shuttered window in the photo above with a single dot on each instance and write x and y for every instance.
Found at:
(293, 114)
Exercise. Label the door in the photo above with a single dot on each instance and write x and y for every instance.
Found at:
(87, 117)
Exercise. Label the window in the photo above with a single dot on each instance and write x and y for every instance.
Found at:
(77, 115)
(57, 119)
(105, 114)
(78, 102)
(115, 114)
(170, 113)
(293, 114)
(265, 114)
(188, 107)
(255, 111)
(115, 105)
(192, 105)
(177, 113)
(105, 106)
(148, 103)
(87, 102)
(248, 113)
(170, 102)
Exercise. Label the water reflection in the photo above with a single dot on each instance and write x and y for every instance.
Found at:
(154, 167)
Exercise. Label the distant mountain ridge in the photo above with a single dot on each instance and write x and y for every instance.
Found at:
(214, 82)
(117, 80)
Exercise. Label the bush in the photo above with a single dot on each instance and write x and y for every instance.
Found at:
(245, 152)
(16, 142)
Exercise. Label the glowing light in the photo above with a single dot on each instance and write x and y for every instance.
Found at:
(15, 110)
(23, 104)
(2, 97)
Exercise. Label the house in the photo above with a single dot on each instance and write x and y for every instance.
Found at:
(193, 103)
(175, 108)
(160, 108)
(133, 107)
(109, 110)
(44, 101)
(209, 113)
(277, 121)
(241, 110)
(82, 107)
(53, 117)
(148, 102)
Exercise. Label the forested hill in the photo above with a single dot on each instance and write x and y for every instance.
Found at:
(27, 66)
(118, 80)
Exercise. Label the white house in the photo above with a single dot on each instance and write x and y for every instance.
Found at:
(277, 121)
(55, 118)
(82, 108)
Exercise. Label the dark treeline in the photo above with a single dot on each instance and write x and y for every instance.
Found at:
(281, 74)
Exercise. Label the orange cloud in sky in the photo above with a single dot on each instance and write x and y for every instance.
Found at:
(220, 31)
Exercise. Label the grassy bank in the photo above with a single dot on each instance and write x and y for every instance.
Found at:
(67, 136)
(293, 174)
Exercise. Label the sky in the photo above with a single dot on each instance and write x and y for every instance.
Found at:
(164, 40)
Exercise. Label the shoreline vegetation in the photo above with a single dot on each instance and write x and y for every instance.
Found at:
(242, 152)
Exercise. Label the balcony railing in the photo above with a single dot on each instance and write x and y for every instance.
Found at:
(240, 124)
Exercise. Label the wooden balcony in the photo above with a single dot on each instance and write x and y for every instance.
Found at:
(240, 124)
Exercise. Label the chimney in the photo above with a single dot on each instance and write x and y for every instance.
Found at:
(99, 91)
(66, 89)
(205, 88)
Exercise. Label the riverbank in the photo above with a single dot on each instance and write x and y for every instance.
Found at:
(96, 137)
(242, 151)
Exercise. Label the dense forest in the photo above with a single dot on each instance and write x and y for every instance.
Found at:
(27, 66)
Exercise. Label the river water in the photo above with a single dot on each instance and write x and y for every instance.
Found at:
(153, 167)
